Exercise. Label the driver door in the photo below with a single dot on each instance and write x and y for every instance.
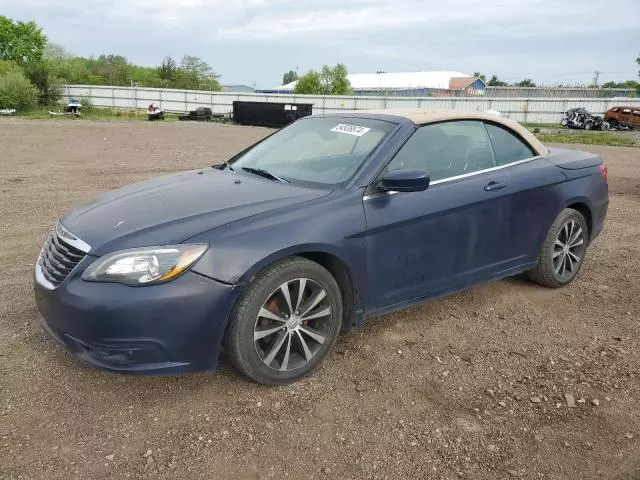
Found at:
(421, 244)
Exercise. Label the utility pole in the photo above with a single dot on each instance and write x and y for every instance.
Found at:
(596, 74)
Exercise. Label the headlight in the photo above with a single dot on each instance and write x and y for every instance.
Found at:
(144, 266)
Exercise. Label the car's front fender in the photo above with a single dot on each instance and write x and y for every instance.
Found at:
(333, 225)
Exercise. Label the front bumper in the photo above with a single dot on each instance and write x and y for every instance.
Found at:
(161, 329)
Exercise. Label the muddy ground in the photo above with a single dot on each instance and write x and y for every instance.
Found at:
(471, 386)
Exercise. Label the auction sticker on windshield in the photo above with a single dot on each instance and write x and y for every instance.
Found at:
(350, 129)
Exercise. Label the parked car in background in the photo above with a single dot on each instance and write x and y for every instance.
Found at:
(327, 222)
(582, 119)
(623, 116)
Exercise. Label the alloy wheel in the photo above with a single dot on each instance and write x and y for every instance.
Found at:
(293, 324)
(568, 250)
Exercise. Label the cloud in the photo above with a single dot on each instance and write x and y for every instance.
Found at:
(506, 18)
(257, 20)
(313, 22)
(256, 40)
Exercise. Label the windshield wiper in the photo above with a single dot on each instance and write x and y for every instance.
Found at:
(265, 174)
(223, 165)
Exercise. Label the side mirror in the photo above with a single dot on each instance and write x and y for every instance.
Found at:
(405, 180)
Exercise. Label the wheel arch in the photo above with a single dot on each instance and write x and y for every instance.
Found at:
(583, 207)
(334, 263)
(340, 271)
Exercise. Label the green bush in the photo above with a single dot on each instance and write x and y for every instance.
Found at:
(7, 66)
(42, 76)
(87, 104)
(16, 91)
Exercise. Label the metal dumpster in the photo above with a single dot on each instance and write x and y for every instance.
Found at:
(268, 114)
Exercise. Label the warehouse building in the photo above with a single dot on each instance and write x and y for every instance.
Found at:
(408, 84)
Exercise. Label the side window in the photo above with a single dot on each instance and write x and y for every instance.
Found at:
(507, 147)
(446, 150)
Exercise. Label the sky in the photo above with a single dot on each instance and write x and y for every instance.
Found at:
(253, 42)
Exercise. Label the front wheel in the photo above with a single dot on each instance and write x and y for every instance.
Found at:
(564, 122)
(563, 251)
(286, 322)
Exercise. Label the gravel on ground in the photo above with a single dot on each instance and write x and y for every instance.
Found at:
(505, 380)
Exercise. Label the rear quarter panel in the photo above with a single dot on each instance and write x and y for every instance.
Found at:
(585, 184)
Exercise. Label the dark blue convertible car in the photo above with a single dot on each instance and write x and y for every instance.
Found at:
(327, 222)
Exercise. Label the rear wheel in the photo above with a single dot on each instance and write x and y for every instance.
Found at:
(286, 322)
(563, 250)
(588, 125)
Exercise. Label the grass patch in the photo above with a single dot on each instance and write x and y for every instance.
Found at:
(90, 113)
(587, 138)
(532, 125)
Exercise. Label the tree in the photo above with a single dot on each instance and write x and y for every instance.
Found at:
(56, 53)
(115, 69)
(329, 81)
(21, 42)
(167, 69)
(308, 84)
(43, 77)
(194, 73)
(481, 76)
(625, 84)
(494, 82)
(335, 80)
(146, 77)
(527, 82)
(289, 77)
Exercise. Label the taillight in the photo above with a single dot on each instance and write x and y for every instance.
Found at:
(604, 172)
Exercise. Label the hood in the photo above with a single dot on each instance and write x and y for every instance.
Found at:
(171, 209)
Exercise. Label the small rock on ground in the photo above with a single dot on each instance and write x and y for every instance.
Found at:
(571, 401)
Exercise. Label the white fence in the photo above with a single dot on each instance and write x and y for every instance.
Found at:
(543, 110)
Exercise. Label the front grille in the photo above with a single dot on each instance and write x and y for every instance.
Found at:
(58, 259)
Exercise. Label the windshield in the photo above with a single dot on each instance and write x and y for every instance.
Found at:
(320, 152)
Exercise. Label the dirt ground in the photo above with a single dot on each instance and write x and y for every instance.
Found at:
(471, 386)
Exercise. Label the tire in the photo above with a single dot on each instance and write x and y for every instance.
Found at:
(564, 122)
(605, 126)
(613, 124)
(588, 125)
(299, 345)
(549, 271)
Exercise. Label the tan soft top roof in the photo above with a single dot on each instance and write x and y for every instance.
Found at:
(422, 116)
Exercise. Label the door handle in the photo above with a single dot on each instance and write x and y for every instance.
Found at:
(489, 187)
